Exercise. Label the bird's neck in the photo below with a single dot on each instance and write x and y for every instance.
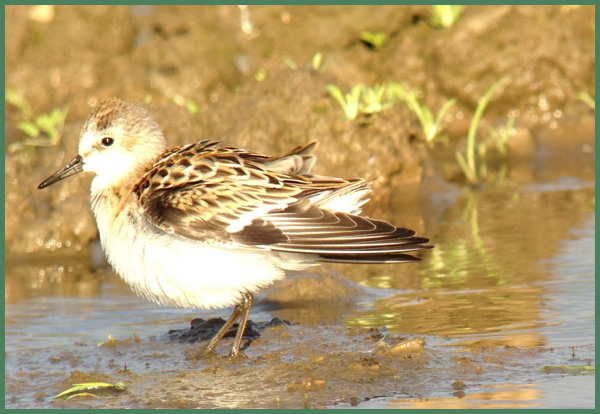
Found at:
(110, 192)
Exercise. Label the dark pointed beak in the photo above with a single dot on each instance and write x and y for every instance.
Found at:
(72, 168)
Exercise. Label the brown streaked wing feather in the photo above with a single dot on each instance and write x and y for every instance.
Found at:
(229, 195)
(198, 192)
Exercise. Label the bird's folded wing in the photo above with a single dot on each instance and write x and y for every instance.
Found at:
(221, 195)
(211, 194)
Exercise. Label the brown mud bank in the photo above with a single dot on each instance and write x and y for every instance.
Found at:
(499, 314)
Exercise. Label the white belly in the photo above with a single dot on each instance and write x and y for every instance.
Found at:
(172, 270)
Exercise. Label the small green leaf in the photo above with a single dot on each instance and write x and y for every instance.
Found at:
(192, 107)
(289, 62)
(337, 94)
(261, 75)
(469, 174)
(29, 128)
(316, 61)
(374, 40)
(92, 389)
(585, 97)
(445, 16)
(16, 99)
(349, 102)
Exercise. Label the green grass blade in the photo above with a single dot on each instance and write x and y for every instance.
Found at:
(475, 123)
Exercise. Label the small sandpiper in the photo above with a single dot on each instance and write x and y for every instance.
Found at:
(201, 226)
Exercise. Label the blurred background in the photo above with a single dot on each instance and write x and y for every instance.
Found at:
(476, 122)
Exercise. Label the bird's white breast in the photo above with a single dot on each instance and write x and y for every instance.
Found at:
(176, 271)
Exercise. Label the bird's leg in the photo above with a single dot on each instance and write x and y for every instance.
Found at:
(219, 335)
(244, 308)
(241, 311)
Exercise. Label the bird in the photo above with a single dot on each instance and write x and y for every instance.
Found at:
(206, 226)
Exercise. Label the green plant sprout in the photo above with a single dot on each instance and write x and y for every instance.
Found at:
(372, 99)
(374, 41)
(445, 17)
(261, 75)
(188, 103)
(192, 107)
(585, 97)
(431, 127)
(467, 161)
(289, 62)
(92, 389)
(17, 100)
(501, 136)
(362, 100)
(316, 64)
(317, 61)
(350, 102)
(42, 131)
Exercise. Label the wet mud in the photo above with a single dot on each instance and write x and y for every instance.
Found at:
(500, 314)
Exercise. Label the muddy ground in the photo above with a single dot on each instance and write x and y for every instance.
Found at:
(216, 72)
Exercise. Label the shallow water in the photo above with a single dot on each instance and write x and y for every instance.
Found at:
(505, 303)
(506, 298)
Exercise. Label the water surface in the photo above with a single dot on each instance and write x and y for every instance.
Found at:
(505, 304)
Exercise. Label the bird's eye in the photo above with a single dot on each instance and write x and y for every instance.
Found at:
(107, 141)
